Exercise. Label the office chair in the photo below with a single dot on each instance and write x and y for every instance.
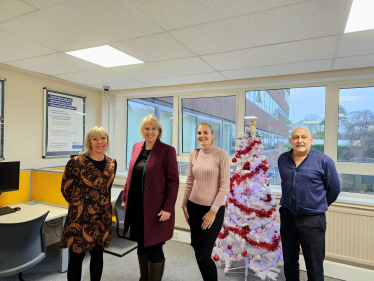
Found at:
(119, 217)
(22, 246)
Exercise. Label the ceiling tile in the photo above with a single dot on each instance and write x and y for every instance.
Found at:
(123, 85)
(14, 48)
(14, 8)
(356, 43)
(275, 70)
(188, 79)
(41, 4)
(181, 13)
(154, 47)
(55, 64)
(354, 62)
(94, 77)
(306, 20)
(305, 50)
(164, 69)
(81, 24)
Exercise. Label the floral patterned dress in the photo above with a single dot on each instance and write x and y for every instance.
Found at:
(87, 190)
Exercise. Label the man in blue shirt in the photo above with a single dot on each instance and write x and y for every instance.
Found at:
(310, 184)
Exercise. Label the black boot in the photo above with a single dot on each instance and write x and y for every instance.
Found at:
(143, 266)
(156, 270)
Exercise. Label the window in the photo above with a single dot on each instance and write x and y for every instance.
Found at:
(2, 118)
(281, 111)
(220, 112)
(356, 125)
(357, 183)
(137, 109)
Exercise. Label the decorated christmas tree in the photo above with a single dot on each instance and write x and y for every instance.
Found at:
(250, 235)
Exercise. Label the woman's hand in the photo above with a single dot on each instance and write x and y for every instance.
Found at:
(123, 205)
(186, 216)
(164, 215)
(208, 220)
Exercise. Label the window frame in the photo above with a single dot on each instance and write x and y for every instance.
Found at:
(3, 115)
(332, 86)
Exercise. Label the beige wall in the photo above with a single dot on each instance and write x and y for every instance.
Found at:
(24, 114)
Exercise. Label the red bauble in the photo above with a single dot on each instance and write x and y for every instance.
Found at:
(267, 198)
(246, 166)
(244, 254)
(262, 212)
(229, 247)
(233, 160)
(216, 258)
(275, 231)
(237, 155)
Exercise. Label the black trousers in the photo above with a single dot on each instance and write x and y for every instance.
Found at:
(203, 241)
(96, 264)
(309, 233)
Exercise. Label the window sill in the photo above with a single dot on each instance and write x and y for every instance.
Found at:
(343, 200)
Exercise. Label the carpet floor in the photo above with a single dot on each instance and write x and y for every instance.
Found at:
(180, 266)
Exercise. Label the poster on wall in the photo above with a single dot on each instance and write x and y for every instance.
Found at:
(64, 123)
(2, 119)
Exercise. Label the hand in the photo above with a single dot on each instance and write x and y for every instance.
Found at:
(208, 220)
(164, 215)
(123, 205)
(186, 216)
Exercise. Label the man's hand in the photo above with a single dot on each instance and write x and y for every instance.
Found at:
(123, 205)
(164, 215)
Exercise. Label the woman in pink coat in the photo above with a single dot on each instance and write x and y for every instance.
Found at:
(149, 197)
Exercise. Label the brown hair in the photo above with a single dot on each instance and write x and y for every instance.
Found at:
(211, 129)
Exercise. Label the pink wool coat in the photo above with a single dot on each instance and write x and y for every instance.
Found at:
(161, 184)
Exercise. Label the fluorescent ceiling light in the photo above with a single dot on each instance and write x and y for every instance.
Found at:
(250, 117)
(360, 16)
(350, 98)
(105, 56)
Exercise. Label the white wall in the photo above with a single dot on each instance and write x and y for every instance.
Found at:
(24, 114)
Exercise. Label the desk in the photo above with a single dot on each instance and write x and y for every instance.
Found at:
(29, 212)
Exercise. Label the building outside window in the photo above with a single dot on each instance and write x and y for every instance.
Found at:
(278, 112)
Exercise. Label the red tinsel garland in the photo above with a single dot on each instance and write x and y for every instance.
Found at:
(248, 211)
(243, 234)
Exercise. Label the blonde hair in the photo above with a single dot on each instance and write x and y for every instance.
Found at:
(154, 121)
(93, 133)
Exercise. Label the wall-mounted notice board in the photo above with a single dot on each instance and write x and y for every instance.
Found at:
(64, 123)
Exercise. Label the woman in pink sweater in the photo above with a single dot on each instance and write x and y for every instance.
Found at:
(207, 183)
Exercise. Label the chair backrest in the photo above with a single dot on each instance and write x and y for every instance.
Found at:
(120, 212)
(21, 245)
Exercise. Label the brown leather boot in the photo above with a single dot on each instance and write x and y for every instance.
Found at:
(156, 270)
(143, 265)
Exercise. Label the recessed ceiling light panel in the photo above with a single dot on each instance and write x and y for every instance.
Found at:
(361, 16)
(105, 56)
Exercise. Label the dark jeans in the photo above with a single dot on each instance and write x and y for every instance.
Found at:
(154, 253)
(96, 264)
(309, 232)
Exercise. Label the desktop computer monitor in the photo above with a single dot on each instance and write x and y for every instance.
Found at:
(9, 176)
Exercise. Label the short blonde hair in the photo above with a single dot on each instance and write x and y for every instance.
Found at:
(154, 121)
(93, 133)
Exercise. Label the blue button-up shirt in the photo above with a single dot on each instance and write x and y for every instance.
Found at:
(312, 186)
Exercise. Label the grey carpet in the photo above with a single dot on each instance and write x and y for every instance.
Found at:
(180, 266)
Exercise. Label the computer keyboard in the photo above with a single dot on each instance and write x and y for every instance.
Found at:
(6, 210)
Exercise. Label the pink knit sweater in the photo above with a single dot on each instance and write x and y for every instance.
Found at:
(208, 179)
